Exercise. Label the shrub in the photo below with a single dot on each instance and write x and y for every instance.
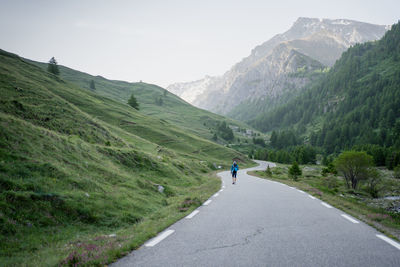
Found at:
(294, 171)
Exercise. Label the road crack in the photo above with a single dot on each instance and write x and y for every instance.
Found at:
(246, 240)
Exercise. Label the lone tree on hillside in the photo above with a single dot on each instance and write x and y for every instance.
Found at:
(294, 171)
(92, 85)
(52, 67)
(133, 102)
(354, 166)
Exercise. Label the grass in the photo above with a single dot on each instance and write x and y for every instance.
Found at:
(332, 190)
(79, 171)
(173, 109)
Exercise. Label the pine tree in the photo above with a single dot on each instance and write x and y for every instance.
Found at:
(133, 102)
(92, 85)
(52, 67)
(294, 171)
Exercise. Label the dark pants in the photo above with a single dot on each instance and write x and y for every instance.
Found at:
(234, 174)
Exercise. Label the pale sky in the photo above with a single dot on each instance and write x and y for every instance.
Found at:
(162, 41)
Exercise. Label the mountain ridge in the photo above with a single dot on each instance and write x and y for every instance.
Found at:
(250, 75)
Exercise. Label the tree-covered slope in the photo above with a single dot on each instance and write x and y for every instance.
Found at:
(358, 102)
(153, 100)
(76, 166)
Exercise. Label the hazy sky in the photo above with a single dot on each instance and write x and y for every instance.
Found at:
(162, 41)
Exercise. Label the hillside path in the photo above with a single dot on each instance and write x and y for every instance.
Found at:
(258, 222)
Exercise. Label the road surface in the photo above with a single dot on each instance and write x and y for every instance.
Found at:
(258, 222)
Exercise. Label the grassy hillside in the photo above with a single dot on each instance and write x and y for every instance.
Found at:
(171, 108)
(80, 172)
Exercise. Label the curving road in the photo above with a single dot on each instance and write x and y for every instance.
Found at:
(259, 222)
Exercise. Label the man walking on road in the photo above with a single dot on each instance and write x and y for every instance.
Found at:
(234, 170)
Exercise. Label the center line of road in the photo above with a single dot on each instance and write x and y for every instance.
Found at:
(326, 205)
(349, 218)
(311, 197)
(191, 215)
(390, 241)
(159, 238)
(207, 202)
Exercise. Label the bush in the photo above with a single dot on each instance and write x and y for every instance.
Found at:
(374, 183)
(330, 169)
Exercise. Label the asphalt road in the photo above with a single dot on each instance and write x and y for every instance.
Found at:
(257, 222)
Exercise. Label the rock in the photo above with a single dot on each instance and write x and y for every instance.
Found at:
(160, 188)
(86, 194)
(112, 235)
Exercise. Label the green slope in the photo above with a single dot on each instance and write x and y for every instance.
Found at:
(173, 109)
(76, 166)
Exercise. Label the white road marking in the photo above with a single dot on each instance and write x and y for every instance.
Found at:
(311, 197)
(159, 238)
(207, 202)
(216, 194)
(326, 205)
(191, 215)
(223, 186)
(390, 241)
(301, 191)
(349, 218)
(221, 190)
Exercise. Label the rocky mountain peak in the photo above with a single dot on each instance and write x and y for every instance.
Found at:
(312, 42)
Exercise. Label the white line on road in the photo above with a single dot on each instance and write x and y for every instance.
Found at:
(207, 202)
(159, 238)
(191, 215)
(223, 186)
(349, 218)
(301, 191)
(221, 190)
(216, 194)
(390, 241)
(326, 205)
(311, 197)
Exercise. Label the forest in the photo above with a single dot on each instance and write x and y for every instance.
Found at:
(355, 106)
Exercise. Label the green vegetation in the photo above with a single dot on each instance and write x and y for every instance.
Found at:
(80, 172)
(92, 85)
(359, 203)
(154, 101)
(52, 66)
(133, 102)
(294, 171)
(356, 105)
(354, 166)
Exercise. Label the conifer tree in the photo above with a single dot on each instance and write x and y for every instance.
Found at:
(133, 102)
(92, 85)
(52, 66)
(294, 171)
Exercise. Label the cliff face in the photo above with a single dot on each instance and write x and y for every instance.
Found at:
(270, 70)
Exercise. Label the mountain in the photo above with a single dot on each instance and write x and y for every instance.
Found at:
(356, 105)
(307, 47)
(79, 170)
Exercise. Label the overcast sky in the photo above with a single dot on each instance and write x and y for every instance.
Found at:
(162, 41)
